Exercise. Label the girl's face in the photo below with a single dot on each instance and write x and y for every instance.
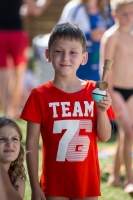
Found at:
(93, 2)
(9, 144)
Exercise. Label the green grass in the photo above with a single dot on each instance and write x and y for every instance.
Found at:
(108, 193)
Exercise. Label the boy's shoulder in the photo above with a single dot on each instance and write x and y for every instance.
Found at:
(111, 32)
(111, 35)
(43, 86)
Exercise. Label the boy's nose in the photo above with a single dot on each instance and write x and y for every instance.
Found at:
(65, 57)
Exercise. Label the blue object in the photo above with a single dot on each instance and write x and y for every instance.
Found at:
(98, 94)
(97, 97)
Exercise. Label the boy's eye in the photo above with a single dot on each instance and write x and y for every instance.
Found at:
(72, 52)
(57, 51)
(127, 14)
(1, 138)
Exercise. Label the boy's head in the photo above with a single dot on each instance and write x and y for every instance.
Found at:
(122, 10)
(118, 4)
(67, 31)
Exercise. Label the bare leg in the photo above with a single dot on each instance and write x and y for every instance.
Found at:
(16, 91)
(128, 139)
(4, 79)
(128, 161)
(126, 121)
(7, 191)
(114, 178)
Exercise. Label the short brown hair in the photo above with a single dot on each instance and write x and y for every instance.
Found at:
(67, 30)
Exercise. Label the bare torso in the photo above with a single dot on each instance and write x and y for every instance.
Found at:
(123, 60)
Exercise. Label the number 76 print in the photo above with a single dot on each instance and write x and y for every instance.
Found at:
(72, 146)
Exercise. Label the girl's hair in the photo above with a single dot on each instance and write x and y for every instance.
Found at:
(101, 5)
(16, 169)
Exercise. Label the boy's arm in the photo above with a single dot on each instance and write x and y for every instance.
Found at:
(32, 144)
(103, 123)
(108, 47)
(103, 127)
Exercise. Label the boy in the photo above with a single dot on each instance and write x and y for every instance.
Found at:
(69, 121)
(117, 44)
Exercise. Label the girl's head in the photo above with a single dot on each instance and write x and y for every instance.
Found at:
(11, 150)
(99, 3)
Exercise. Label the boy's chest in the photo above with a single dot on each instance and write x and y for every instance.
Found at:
(125, 45)
(71, 109)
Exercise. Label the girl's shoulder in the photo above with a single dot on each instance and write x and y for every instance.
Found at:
(21, 186)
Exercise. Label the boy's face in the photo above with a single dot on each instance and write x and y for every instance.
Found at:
(66, 55)
(125, 15)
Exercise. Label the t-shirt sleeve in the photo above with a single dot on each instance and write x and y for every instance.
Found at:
(111, 113)
(32, 110)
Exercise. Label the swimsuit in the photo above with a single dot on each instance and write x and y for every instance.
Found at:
(126, 93)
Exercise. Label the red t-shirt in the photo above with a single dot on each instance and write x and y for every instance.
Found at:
(70, 166)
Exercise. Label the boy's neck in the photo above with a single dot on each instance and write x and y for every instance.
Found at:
(123, 28)
(68, 85)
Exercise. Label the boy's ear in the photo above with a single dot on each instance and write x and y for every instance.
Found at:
(47, 55)
(113, 14)
(84, 58)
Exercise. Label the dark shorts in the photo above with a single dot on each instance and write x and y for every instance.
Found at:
(126, 93)
(13, 46)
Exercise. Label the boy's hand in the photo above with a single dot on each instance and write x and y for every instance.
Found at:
(105, 103)
(38, 195)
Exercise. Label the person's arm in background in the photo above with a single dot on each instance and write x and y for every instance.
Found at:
(66, 15)
(107, 51)
(35, 8)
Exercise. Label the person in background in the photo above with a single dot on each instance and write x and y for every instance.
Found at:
(93, 17)
(12, 170)
(14, 43)
(117, 44)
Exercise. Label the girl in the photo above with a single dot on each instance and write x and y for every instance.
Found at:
(12, 171)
